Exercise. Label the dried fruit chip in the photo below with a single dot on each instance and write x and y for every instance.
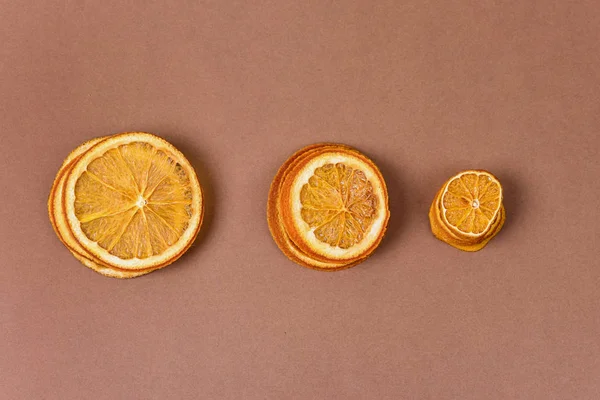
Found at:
(126, 205)
(468, 212)
(328, 207)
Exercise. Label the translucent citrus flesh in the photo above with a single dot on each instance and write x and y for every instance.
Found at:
(471, 202)
(134, 201)
(339, 203)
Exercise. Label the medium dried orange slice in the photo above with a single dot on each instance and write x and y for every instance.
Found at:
(470, 202)
(127, 204)
(328, 207)
(276, 223)
(467, 212)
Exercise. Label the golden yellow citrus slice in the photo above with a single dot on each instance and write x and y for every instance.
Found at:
(133, 201)
(274, 216)
(441, 231)
(470, 202)
(60, 224)
(334, 205)
(467, 212)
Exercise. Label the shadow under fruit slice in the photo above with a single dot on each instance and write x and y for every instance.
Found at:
(334, 205)
(133, 202)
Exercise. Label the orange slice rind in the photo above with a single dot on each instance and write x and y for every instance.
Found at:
(293, 211)
(467, 212)
(67, 163)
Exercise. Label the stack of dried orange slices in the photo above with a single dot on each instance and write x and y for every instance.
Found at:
(328, 207)
(467, 212)
(127, 204)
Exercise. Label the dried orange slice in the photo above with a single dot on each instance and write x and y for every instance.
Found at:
(328, 207)
(467, 212)
(127, 205)
(470, 202)
(60, 225)
(442, 232)
(274, 216)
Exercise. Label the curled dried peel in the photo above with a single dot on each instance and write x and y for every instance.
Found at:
(109, 271)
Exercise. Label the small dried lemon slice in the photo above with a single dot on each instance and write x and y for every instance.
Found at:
(334, 205)
(133, 202)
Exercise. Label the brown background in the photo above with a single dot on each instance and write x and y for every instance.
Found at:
(426, 88)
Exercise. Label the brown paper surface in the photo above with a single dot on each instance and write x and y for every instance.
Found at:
(425, 88)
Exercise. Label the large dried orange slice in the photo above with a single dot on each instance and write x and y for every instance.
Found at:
(60, 225)
(127, 205)
(467, 212)
(328, 207)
